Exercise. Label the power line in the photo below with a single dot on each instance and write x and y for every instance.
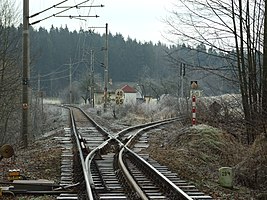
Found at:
(76, 16)
(55, 72)
(53, 79)
(54, 6)
(62, 11)
(78, 7)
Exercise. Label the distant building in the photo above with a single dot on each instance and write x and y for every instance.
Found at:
(150, 100)
(129, 94)
(98, 97)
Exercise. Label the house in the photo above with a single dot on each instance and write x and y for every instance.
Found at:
(129, 94)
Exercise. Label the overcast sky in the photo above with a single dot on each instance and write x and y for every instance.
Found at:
(138, 19)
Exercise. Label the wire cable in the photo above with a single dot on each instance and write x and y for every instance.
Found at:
(47, 9)
(54, 15)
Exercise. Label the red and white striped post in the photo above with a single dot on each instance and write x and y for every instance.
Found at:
(193, 110)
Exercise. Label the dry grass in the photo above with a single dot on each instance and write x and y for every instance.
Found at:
(41, 160)
(197, 153)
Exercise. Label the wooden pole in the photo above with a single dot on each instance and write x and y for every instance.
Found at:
(25, 76)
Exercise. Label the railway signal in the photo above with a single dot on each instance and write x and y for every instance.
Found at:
(194, 87)
(193, 110)
(119, 96)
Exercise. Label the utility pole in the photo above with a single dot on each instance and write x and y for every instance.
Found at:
(70, 83)
(25, 76)
(92, 95)
(106, 70)
(105, 65)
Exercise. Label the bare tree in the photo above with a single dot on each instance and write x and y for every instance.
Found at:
(235, 28)
(9, 70)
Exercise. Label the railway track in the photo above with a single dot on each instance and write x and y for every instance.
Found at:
(108, 164)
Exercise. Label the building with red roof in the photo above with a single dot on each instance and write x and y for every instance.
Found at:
(129, 94)
(128, 89)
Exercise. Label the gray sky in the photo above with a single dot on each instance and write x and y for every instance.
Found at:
(138, 19)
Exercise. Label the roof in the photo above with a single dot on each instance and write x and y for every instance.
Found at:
(128, 89)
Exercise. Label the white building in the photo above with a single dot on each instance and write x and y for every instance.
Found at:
(129, 95)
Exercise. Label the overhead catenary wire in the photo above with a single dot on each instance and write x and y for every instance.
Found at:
(82, 42)
(101, 5)
(62, 11)
(76, 16)
(53, 73)
(48, 76)
(54, 6)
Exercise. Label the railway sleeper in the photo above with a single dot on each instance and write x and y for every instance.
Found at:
(188, 188)
(164, 186)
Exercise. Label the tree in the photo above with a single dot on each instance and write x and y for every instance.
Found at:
(9, 70)
(234, 28)
(86, 87)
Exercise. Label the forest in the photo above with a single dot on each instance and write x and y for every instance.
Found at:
(58, 52)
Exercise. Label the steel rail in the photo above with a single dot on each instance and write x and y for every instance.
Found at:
(87, 161)
(150, 126)
(130, 180)
(89, 158)
(147, 124)
(86, 177)
(125, 171)
(100, 128)
(92, 154)
(181, 193)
